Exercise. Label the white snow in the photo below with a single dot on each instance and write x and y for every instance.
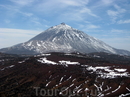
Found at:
(108, 88)
(1, 60)
(98, 67)
(69, 78)
(7, 67)
(64, 90)
(120, 70)
(108, 93)
(128, 89)
(46, 54)
(116, 89)
(79, 90)
(96, 56)
(48, 83)
(62, 26)
(11, 66)
(44, 60)
(29, 44)
(38, 44)
(71, 85)
(108, 70)
(111, 73)
(61, 79)
(86, 89)
(96, 87)
(68, 62)
(114, 74)
(22, 61)
(65, 38)
(54, 39)
(124, 95)
(101, 86)
(86, 81)
(101, 67)
(73, 80)
(77, 87)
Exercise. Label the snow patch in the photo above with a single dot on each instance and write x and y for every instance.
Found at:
(38, 44)
(120, 70)
(48, 83)
(61, 79)
(42, 55)
(86, 89)
(7, 67)
(96, 56)
(68, 62)
(116, 89)
(111, 73)
(21, 61)
(44, 60)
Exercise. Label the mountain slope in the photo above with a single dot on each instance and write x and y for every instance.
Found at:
(62, 38)
(67, 74)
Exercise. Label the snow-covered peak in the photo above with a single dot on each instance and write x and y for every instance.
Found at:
(61, 26)
(64, 38)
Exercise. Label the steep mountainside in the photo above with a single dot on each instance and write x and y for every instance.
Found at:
(62, 38)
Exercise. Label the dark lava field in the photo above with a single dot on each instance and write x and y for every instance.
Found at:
(65, 75)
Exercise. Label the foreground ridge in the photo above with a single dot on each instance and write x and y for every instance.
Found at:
(63, 74)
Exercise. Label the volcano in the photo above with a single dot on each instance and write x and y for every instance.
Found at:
(62, 38)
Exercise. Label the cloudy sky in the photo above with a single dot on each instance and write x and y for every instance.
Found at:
(107, 20)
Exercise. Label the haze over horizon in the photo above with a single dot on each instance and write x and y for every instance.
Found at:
(107, 20)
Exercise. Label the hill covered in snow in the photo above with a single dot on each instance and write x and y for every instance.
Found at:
(62, 38)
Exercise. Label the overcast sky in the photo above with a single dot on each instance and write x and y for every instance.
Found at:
(107, 20)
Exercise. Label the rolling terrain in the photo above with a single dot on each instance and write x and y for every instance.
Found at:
(65, 75)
